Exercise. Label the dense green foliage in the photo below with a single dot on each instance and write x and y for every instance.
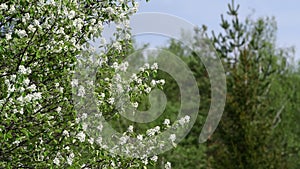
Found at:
(259, 127)
(246, 132)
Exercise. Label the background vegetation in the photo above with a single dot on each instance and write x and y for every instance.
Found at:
(259, 128)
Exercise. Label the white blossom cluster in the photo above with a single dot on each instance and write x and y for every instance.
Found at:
(16, 84)
(144, 145)
(109, 91)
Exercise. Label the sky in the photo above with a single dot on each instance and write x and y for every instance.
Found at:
(208, 12)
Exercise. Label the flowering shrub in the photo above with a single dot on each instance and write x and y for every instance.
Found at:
(41, 43)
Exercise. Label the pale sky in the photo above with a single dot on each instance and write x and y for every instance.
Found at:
(208, 12)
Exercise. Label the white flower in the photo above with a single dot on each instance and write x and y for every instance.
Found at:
(84, 126)
(21, 33)
(12, 9)
(74, 82)
(184, 120)
(58, 109)
(60, 31)
(147, 66)
(98, 114)
(181, 121)
(100, 127)
(28, 70)
(162, 81)
(123, 66)
(21, 89)
(37, 95)
(139, 81)
(187, 118)
(20, 99)
(153, 83)
(3, 6)
(130, 129)
(150, 132)
(110, 10)
(17, 142)
(65, 133)
(91, 83)
(52, 2)
(99, 140)
(22, 69)
(91, 140)
(78, 23)
(27, 16)
(31, 28)
(123, 140)
(154, 158)
(134, 77)
(13, 77)
(117, 46)
(140, 137)
(8, 36)
(92, 29)
(166, 122)
(81, 91)
(71, 14)
(81, 136)
(61, 89)
(28, 97)
(21, 111)
(142, 69)
(7, 82)
(56, 161)
(172, 137)
(154, 66)
(148, 90)
(26, 82)
(168, 165)
(11, 89)
(73, 40)
(120, 88)
(156, 129)
(32, 87)
(111, 100)
(93, 21)
(40, 157)
(36, 22)
(84, 116)
(41, 140)
(145, 161)
(118, 77)
(135, 104)
(70, 158)
(115, 65)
